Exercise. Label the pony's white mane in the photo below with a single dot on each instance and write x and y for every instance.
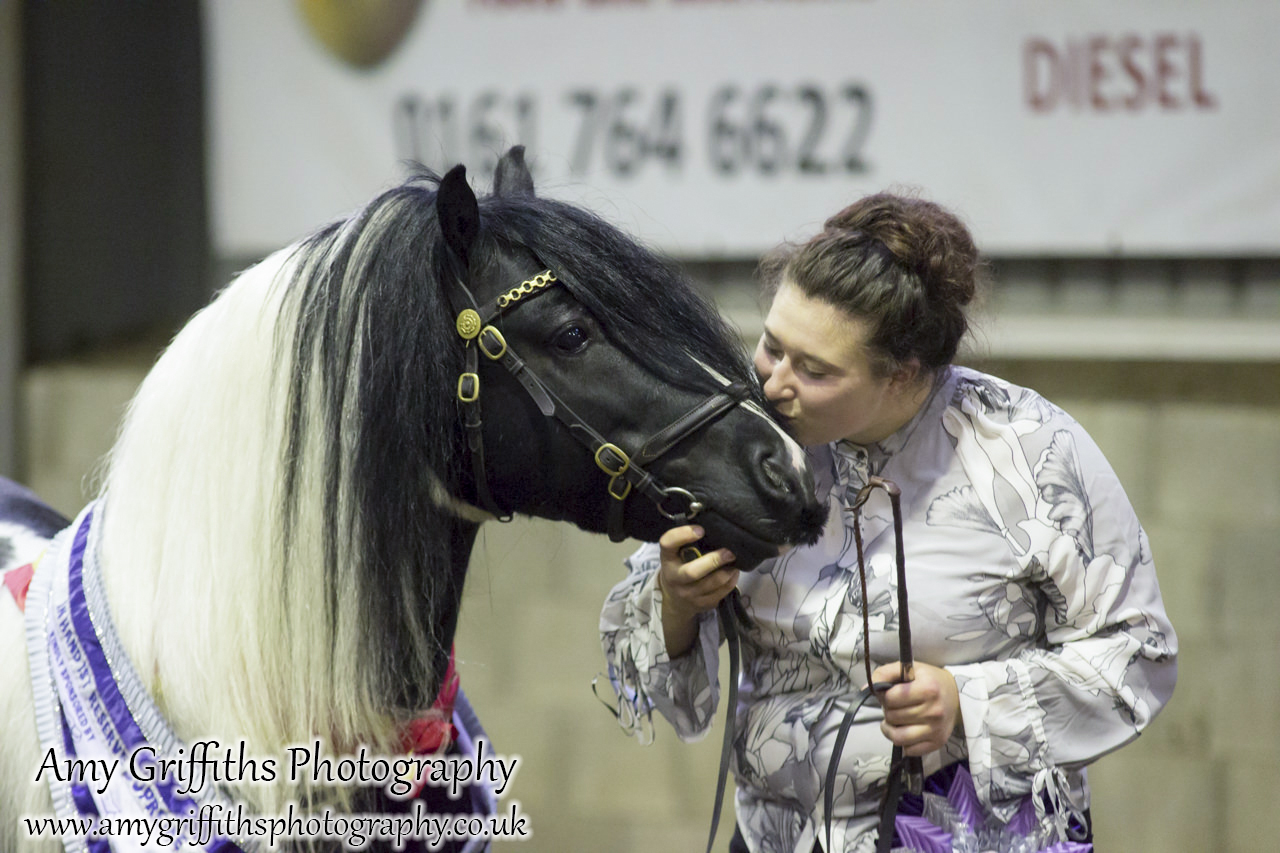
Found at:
(231, 645)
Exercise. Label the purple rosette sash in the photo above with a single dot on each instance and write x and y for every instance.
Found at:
(952, 822)
(91, 705)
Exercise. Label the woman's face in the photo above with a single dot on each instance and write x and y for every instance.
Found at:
(813, 361)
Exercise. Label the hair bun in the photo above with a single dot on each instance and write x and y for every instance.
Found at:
(907, 265)
(923, 237)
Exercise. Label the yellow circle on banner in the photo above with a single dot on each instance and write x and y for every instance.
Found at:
(362, 33)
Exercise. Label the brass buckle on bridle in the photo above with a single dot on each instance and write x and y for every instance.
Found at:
(616, 467)
(614, 486)
(489, 335)
(469, 387)
(621, 461)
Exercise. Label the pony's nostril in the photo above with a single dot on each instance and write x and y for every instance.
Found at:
(777, 476)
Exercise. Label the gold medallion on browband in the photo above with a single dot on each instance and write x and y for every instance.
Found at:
(470, 326)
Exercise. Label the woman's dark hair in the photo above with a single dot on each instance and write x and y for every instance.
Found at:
(908, 266)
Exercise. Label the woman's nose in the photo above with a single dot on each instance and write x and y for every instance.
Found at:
(774, 380)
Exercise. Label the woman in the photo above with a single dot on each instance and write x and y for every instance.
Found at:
(1040, 639)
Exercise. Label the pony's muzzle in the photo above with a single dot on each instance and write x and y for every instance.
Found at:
(788, 490)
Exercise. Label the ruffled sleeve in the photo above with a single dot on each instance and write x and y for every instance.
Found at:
(1106, 664)
(685, 690)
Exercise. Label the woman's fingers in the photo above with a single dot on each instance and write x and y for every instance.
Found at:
(678, 547)
(914, 740)
(678, 537)
(701, 568)
(707, 591)
(919, 715)
(690, 579)
(705, 580)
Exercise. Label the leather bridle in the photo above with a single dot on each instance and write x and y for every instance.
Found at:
(626, 472)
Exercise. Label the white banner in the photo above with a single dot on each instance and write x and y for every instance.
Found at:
(719, 127)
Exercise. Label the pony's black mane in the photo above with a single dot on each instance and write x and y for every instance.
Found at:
(373, 337)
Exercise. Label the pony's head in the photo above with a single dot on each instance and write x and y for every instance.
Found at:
(292, 502)
(616, 373)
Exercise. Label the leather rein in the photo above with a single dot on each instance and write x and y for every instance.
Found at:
(906, 773)
(626, 472)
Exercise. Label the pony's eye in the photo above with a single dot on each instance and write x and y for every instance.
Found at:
(570, 339)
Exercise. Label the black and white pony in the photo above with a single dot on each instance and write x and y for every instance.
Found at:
(288, 512)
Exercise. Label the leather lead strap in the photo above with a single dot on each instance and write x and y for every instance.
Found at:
(905, 773)
(829, 789)
(913, 766)
(727, 611)
(892, 797)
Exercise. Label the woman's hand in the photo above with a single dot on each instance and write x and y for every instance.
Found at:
(919, 715)
(690, 587)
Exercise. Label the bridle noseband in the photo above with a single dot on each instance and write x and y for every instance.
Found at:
(626, 472)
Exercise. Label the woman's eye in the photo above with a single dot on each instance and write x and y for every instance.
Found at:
(571, 339)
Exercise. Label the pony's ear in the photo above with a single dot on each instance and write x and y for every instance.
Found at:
(512, 177)
(458, 212)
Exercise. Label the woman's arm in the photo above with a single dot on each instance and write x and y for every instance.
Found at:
(1107, 663)
(661, 656)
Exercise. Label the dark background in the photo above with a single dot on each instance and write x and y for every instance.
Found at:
(115, 244)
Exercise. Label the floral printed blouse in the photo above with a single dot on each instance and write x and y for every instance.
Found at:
(1030, 580)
